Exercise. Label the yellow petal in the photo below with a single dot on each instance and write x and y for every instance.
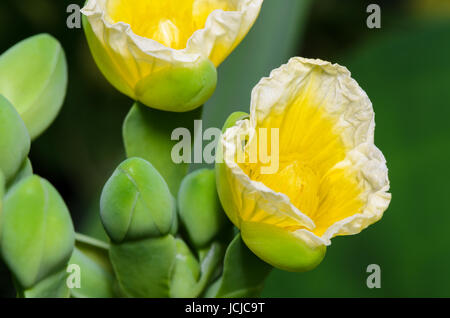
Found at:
(131, 40)
(331, 178)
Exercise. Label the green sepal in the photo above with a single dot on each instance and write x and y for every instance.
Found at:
(143, 268)
(243, 273)
(199, 207)
(33, 76)
(147, 134)
(281, 248)
(54, 286)
(14, 139)
(233, 118)
(178, 88)
(223, 185)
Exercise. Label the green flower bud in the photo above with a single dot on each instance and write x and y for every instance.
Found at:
(33, 76)
(37, 236)
(186, 272)
(199, 207)
(136, 203)
(169, 83)
(14, 139)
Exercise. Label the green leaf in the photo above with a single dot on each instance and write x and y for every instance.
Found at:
(14, 139)
(143, 268)
(37, 235)
(243, 273)
(211, 259)
(33, 76)
(199, 207)
(96, 271)
(147, 134)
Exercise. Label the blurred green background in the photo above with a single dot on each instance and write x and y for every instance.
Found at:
(405, 69)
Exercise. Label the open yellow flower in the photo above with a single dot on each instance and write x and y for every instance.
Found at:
(330, 178)
(165, 53)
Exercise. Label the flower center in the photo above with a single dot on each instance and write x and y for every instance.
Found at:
(296, 180)
(170, 22)
(309, 149)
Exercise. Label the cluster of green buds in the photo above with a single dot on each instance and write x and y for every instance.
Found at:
(36, 231)
(37, 237)
(166, 244)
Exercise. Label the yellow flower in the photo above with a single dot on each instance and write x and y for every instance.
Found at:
(165, 53)
(329, 178)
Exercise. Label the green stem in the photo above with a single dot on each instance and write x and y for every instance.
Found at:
(87, 240)
(147, 134)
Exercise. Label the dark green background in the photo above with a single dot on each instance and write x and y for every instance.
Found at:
(405, 69)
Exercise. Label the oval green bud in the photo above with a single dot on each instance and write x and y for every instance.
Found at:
(37, 231)
(33, 76)
(281, 248)
(179, 88)
(199, 207)
(186, 272)
(136, 203)
(14, 139)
